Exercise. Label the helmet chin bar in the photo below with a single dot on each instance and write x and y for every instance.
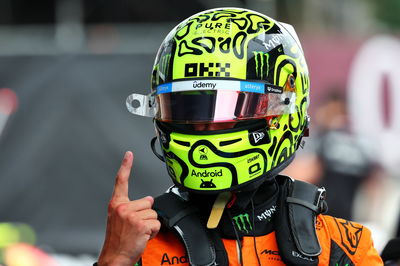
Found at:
(198, 163)
(245, 187)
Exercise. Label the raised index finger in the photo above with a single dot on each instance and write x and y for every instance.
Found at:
(121, 182)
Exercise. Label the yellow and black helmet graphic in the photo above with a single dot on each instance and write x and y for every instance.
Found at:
(228, 43)
(228, 65)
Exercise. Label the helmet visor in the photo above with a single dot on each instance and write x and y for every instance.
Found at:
(199, 101)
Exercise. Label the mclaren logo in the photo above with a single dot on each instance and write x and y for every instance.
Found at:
(242, 222)
(270, 252)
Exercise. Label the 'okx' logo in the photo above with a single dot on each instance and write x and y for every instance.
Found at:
(242, 222)
(207, 70)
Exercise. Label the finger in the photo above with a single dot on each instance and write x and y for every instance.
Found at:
(122, 179)
(154, 227)
(148, 214)
(141, 204)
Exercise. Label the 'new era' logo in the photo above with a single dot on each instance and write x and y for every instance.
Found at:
(257, 136)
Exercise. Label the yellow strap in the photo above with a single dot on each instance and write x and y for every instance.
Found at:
(217, 209)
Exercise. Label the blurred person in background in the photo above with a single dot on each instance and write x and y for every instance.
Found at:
(338, 160)
(391, 252)
(230, 91)
(346, 161)
(345, 165)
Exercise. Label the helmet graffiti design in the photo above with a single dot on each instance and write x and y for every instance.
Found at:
(227, 65)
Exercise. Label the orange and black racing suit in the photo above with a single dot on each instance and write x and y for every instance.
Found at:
(343, 243)
(249, 237)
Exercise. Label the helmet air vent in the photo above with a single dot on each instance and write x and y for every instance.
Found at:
(183, 143)
(229, 142)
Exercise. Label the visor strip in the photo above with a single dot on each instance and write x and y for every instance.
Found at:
(232, 85)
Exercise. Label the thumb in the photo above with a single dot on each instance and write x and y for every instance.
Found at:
(150, 199)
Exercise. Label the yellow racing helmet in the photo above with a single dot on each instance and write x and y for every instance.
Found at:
(235, 66)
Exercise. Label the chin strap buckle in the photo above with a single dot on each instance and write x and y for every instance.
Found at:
(319, 207)
(321, 202)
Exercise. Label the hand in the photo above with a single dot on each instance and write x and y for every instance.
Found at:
(130, 224)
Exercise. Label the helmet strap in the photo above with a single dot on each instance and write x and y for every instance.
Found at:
(218, 209)
(153, 148)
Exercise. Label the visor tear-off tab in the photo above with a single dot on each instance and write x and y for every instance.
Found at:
(201, 244)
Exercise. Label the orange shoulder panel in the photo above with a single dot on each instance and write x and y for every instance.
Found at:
(165, 249)
(353, 238)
